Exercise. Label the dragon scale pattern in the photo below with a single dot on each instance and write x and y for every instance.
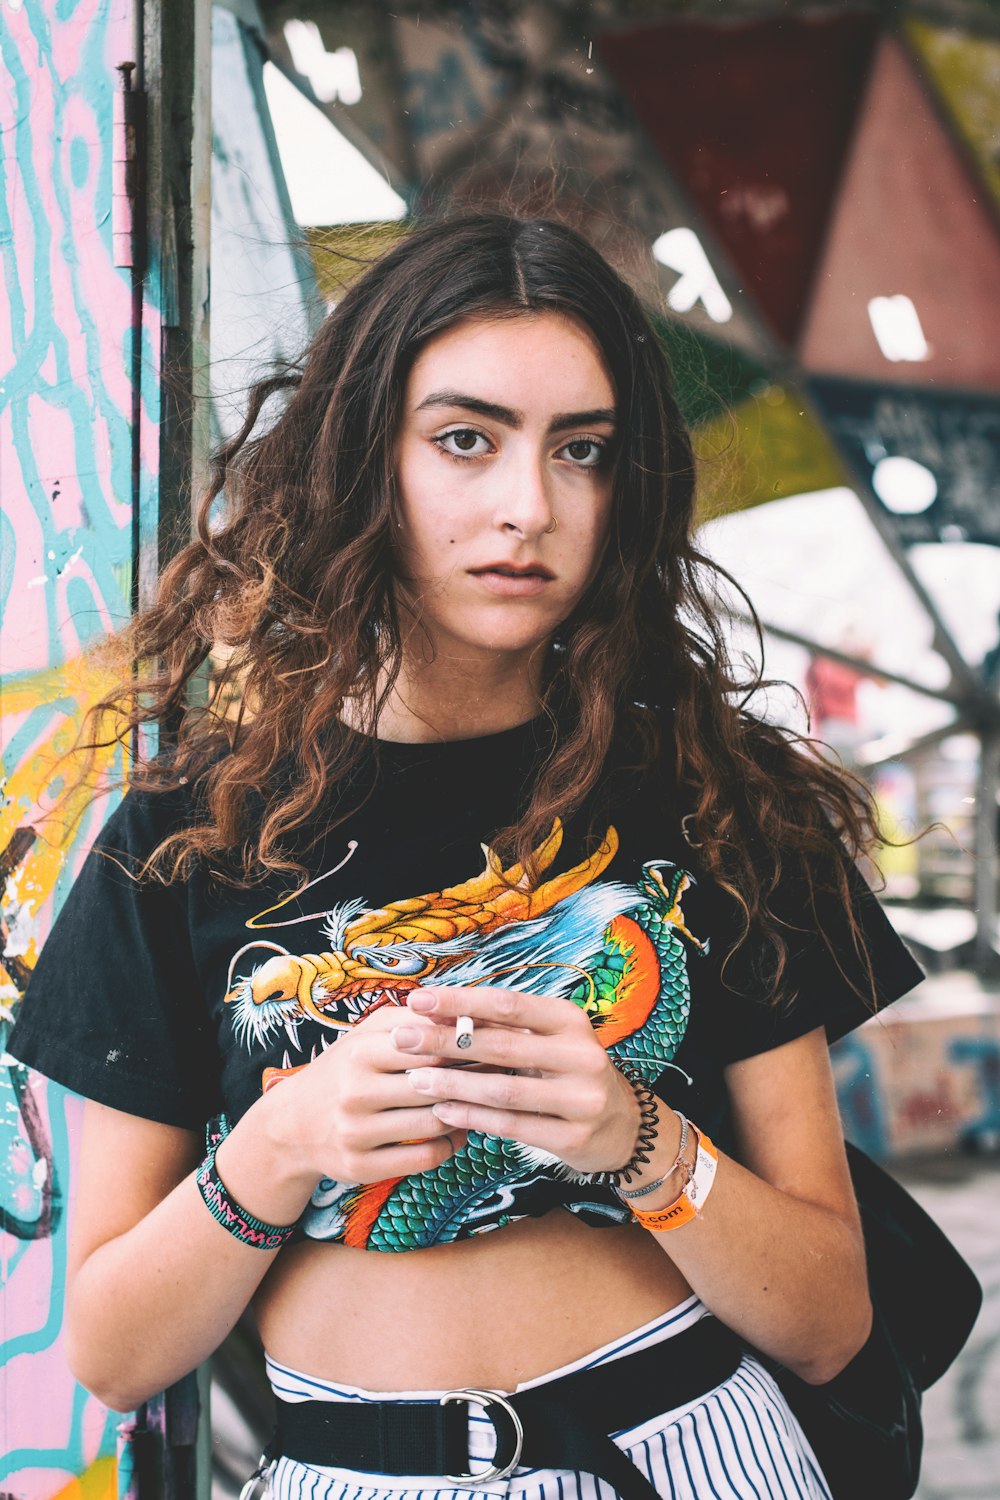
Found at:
(433, 1207)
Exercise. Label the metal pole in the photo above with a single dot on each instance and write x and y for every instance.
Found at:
(949, 694)
(985, 955)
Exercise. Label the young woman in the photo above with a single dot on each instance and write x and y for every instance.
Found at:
(503, 935)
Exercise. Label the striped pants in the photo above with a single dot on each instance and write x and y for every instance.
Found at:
(738, 1442)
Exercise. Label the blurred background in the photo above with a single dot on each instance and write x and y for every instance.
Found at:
(809, 196)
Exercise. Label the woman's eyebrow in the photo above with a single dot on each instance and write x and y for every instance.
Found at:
(505, 414)
(583, 418)
(509, 416)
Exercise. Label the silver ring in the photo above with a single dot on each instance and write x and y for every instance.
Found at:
(261, 1475)
(488, 1399)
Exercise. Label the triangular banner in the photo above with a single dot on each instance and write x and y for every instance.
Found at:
(753, 118)
(909, 287)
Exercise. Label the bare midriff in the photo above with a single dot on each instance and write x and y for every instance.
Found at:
(490, 1311)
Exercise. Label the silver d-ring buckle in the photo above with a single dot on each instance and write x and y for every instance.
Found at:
(488, 1399)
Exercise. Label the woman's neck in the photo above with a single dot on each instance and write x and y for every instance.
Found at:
(459, 699)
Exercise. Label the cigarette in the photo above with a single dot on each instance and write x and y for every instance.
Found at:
(464, 1027)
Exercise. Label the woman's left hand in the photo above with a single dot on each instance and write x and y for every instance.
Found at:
(542, 1078)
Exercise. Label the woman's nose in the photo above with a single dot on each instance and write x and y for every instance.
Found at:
(525, 505)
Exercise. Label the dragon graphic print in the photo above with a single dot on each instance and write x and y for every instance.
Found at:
(618, 950)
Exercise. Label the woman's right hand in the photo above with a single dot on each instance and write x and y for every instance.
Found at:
(154, 1282)
(350, 1115)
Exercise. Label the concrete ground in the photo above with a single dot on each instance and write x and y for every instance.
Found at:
(962, 1412)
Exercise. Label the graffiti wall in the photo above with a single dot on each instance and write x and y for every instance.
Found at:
(66, 457)
(925, 1077)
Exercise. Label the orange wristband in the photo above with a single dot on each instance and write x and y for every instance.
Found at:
(691, 1199)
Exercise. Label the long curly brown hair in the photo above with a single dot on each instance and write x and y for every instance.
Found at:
(295, 584)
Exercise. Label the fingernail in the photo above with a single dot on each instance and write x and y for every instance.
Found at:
(419, 1081)
(407, 1038)
(422, 1001)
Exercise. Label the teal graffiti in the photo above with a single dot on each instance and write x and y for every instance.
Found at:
(440, 98)
(55, 260)
(858, 1096)
(982, 1054)
(79, 161)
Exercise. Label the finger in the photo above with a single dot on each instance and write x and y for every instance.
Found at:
(408, 1159)
(383, 1093)
(544, 1131)
(387, 1056)
(495, 1046)
(373, 1025)
(394, 1126)
(546, 1015)
(504, 1091)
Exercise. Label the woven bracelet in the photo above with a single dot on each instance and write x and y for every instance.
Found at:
(227, 1212)
(216, 1130)
(649, 1119)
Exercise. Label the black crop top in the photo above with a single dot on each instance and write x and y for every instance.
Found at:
(179, 1002)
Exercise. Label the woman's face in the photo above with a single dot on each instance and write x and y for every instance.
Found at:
(505, 463)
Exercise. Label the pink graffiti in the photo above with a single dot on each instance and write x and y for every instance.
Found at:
(929, 1106)
(57, 463)
(72, 539)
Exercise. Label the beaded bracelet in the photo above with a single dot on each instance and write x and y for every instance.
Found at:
(692, 1197)
(649, 1119)
(227, 1212)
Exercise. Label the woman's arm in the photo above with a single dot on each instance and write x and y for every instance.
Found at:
(776, 1252)
(154, 1283)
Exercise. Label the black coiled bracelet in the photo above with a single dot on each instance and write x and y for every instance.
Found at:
(649, 1119)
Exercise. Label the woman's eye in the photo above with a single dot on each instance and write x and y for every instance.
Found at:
(586, 453)
(463, 442)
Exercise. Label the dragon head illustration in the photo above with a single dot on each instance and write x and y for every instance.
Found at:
(377, 957)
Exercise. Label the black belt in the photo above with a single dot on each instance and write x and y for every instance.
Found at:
(563, 1424)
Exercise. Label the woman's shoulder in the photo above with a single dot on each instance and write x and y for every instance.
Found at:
(163, 797)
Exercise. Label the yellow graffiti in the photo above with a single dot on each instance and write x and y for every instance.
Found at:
(70, 691)
(100, 1482)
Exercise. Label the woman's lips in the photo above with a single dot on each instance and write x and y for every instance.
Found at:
(512, 584)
